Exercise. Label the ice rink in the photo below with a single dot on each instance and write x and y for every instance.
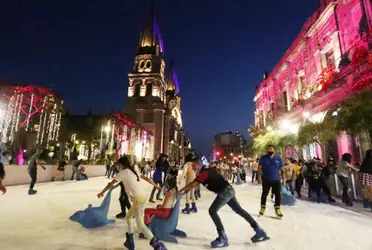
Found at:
(41, 222)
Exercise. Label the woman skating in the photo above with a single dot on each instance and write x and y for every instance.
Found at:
(132, 183)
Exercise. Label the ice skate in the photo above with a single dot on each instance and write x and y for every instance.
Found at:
(32, 192)
(259, 236)
(278, 213)
(193, 209)
(220, 242)
(120, 215)
(186, 210)
(157, 245)
(129, 243)
(262, 211)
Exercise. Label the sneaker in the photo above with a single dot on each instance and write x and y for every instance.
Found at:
(262, 210)
(331, 200)
(220, 242)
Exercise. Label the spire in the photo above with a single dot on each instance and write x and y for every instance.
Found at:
(172, 79)
(151, 41)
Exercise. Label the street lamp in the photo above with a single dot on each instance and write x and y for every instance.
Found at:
(269, 128)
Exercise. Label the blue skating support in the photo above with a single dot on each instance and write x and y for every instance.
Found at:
(166, 228)
(93, 217)
(287, 198)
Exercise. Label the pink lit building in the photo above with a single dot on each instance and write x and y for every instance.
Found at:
(318, 72)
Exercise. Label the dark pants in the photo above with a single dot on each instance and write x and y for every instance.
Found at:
(227, 196)
(320, 185)
(33, 174)
(298, 185)
(107, 171)
(345, 187)
(289, 186)
(123, 199)
(254, 176)
(74, 171)
(275, 187)
(159, 183)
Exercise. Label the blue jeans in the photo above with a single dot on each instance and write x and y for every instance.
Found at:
(227, 196)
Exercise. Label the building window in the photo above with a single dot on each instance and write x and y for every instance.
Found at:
(149, 89)
(330, 58)
(137, 89)
(301, 84)
(175, 136)
(285, 100)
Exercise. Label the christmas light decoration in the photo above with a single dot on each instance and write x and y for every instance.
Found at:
(29, 111)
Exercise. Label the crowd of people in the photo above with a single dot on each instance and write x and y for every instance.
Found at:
(166, 177)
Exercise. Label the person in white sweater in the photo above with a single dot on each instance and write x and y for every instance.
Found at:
(189, 175)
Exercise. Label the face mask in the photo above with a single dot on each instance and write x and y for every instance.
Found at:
(270, 153)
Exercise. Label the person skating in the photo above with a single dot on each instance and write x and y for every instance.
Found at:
(61, 165)
(343, 175)
(133, 185)
(188, 174)
(270, 170)
(32, 170)
(157, 177)
(124, 202)
(2, 176)
(213, 181)
(75, 168)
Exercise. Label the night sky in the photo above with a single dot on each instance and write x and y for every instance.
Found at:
(85, 48)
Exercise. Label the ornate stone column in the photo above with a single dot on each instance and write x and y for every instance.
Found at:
(158, 132)
(140, 116)
(167, 128)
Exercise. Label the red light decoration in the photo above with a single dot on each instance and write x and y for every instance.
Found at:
(217, 153)
(325, 79)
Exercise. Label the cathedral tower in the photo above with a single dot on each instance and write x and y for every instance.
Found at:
(147, 88)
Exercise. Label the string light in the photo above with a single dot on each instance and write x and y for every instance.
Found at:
(18, 110)
(44, 122)
(39, 132)
(8, 119)
(58, 126)
(29, 111)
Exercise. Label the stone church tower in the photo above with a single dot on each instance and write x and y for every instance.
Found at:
(153, 100)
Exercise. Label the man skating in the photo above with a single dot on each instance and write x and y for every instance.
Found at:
(213, 181)
(32, 170)
(270, 170)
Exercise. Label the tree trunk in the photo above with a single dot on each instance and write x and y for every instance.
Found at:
(365, 142)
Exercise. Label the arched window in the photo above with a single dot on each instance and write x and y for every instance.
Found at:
(149, 89)
(137, 89)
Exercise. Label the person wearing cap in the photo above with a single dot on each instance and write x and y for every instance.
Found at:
(188, 174)
(213, 181)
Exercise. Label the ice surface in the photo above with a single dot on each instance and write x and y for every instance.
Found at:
(41, 222)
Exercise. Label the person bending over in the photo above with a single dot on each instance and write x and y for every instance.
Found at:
(216, 183)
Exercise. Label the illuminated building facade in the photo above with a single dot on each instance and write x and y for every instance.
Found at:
(228, 145)
(29, 109)
(106, 136)
(319, 70)
(153, 100)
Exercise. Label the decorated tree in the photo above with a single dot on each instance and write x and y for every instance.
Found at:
(320, 133)
(355, 116)
(279, 139)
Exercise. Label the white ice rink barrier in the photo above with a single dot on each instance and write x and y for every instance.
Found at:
(18, 175)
